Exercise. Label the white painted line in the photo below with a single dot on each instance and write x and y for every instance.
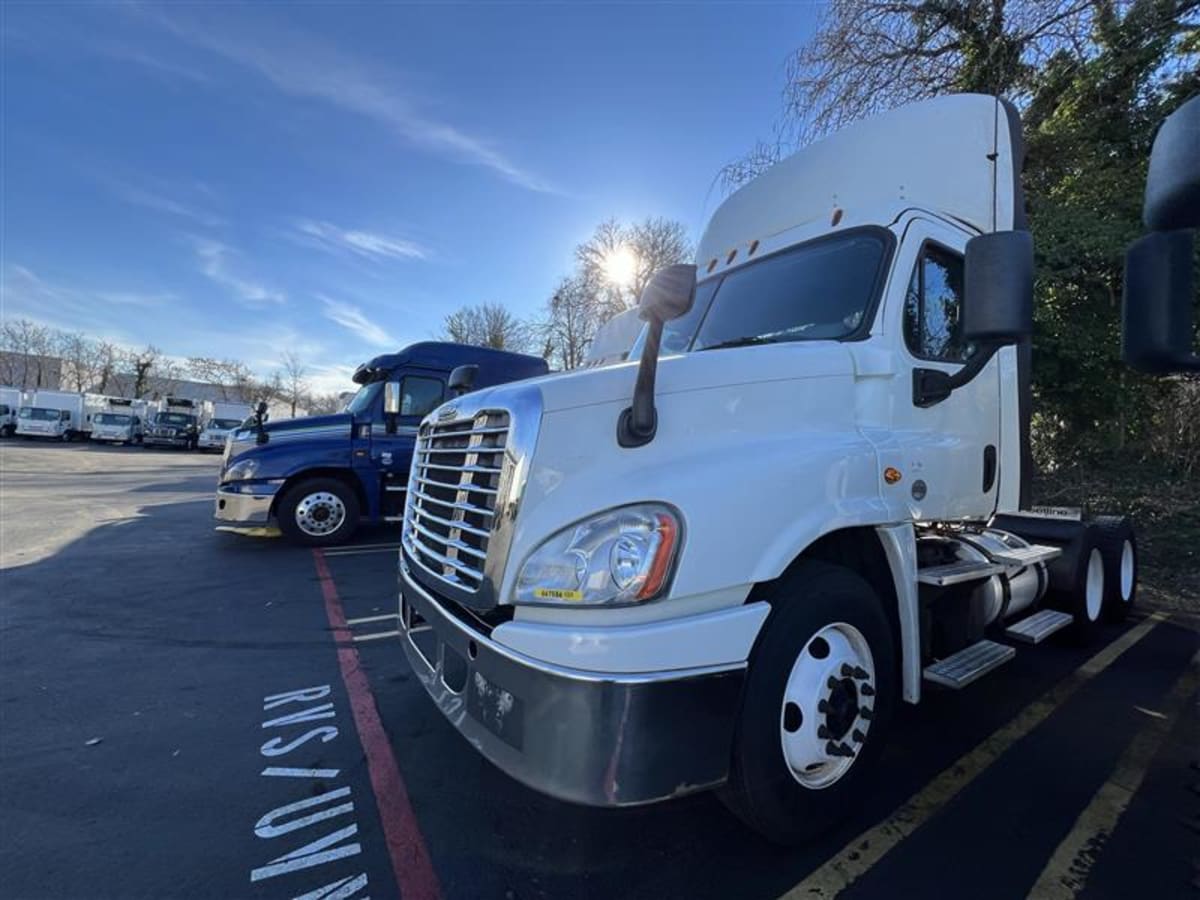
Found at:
(376, 636)
(390, 545)
(366, 619)
(290, 772)
(356, 552)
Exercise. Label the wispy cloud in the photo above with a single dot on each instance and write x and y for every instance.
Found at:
(216, 262)
(154, 197)
(361, 243)
(306, 68)
(352, 318)
(156, 65)
(98, 312)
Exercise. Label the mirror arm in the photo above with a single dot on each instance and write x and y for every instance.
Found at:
(974, 363)
(638, 422)
(932, 386)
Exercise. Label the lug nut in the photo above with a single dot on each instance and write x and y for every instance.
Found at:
(823, 732)
(867, 691)
(865, 712)
(858, 736)
(823, 707)
(832, 683)
(860, 673)
(847, 670)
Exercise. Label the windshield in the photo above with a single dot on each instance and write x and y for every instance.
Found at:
(224, 424)
(174, 419)
(362, 401)
(112, 419)
(821, 290)
(35, 412)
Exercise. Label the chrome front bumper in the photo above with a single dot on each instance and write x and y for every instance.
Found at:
(600, 739)
(236, 508)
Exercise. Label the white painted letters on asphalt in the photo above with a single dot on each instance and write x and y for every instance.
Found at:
(309, 811)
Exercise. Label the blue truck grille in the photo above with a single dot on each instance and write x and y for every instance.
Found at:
(452, 496)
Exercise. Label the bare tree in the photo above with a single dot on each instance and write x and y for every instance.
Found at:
(107, 360)
(324, 404)
(141, 364)
(575, 310)
(650, 245)
(233, 379)
(487, 325)
(81, 361)
(292, 380)
(27, 354)
(870, 55)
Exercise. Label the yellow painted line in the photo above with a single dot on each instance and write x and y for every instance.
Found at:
(376, 636)
(365, 619)
(859, 855)
(1068, 869)
(267, 531)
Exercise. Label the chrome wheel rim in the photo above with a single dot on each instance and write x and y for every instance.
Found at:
(828, 705)
(1094, 585)
(320, 514)
(1127, 564)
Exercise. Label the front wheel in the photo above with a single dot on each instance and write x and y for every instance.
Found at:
(817, 702)
(319, 512)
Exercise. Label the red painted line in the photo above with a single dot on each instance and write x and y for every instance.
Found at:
(406, 846)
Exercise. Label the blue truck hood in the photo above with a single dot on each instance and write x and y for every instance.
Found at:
(293, 444)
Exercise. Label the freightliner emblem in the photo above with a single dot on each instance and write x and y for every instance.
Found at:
(447, 412)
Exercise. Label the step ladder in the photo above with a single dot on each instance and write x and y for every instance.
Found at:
(969, 664)
(1036, 628)
(958, 572)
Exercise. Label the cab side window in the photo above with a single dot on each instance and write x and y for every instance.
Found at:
(933, 327)
(420, 396)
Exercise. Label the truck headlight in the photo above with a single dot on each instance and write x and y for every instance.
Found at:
(240, 471)
(621, 556)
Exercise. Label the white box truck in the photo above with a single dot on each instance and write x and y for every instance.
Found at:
(121, 421)
(225, 419)
(726, 564)
(60, 415)
(11, 400)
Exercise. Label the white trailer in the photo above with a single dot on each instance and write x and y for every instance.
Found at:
(11, 400)
(120, 421)
(224, 420)
(727, 567)
(177, 423)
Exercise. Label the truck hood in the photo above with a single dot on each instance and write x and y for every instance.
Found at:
(307, 423)
(698, 371)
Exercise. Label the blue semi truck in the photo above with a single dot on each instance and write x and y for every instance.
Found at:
(319, 477)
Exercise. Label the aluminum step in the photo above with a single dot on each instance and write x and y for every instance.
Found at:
(969, 665)
(395, 488)
(958, 572)
(1027, 556)
(1036, 628)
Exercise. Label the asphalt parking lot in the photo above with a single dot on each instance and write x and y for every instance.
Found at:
(186, 713)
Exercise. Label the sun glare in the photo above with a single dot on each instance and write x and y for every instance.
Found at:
(620, 266)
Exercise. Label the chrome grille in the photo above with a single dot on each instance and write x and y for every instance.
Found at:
(453, 486)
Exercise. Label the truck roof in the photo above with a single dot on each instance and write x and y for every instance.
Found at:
(495, 366)
(933, 154)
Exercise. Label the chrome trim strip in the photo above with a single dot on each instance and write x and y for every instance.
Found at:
(442, 484)
(461, 526)
(473, 470)
(450, 504)
(449, 542)
(444, 560)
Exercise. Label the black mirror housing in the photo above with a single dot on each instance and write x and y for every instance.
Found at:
(462, 379)
(1156, 326)
(998, 307)
(1173, 182)
(669, 293)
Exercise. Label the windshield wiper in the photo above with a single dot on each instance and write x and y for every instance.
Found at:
(745, 341)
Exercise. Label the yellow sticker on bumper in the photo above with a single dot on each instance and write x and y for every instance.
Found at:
(554, 594)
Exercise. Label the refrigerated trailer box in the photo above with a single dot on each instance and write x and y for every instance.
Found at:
(224, 420)
(120, 421)
(60, 415)
(11, 401)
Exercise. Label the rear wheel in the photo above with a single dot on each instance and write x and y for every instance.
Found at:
(1118, 546)
(319, 512)
(818, 698)
(1077, 580)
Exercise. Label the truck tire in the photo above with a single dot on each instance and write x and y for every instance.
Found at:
(1118, 546)
(1077, 580)
(319, 512)
(816, 706)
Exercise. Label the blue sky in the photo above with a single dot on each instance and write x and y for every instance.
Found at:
(236, 180)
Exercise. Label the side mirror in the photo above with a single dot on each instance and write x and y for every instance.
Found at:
(1173, 180)
(1156, 309)
(669, 293)
(391, 398)
(1156, 332)
(462, 379)
(998, 288)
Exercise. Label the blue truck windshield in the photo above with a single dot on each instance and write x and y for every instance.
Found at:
(362, 401)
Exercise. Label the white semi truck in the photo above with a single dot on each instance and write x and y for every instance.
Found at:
(121, 421)
(226, 418)
(60, 415)
(725, 565)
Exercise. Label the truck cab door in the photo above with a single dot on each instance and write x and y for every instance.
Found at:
(947, 452)
(392, 444)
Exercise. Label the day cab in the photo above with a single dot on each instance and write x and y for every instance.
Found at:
(803, 501)
(318, 477)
